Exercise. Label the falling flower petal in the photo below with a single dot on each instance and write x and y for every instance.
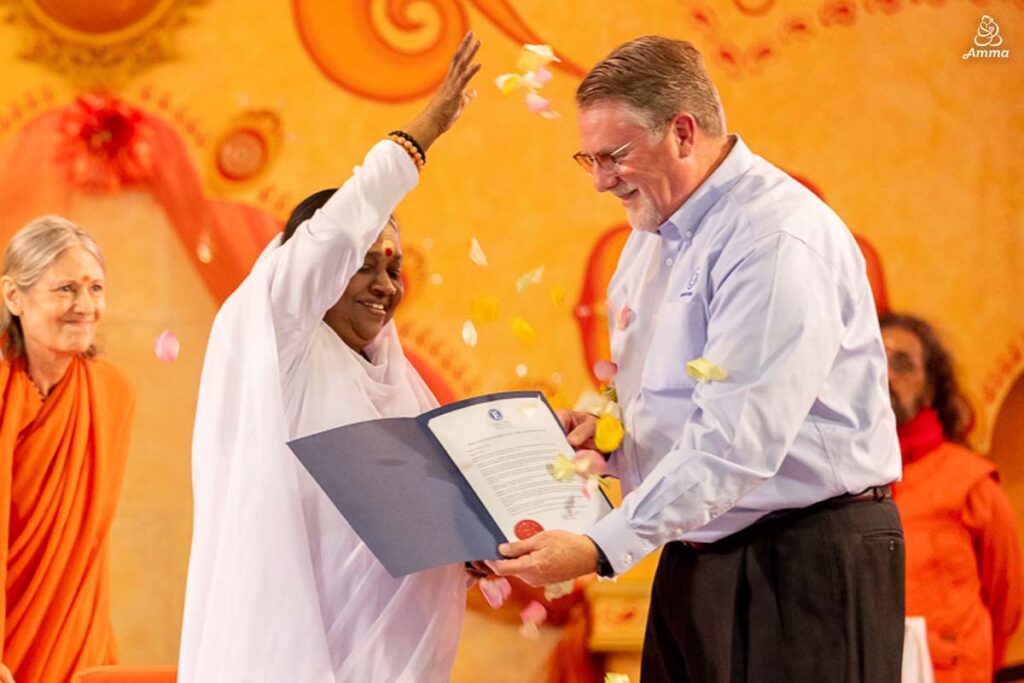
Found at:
(563, 468)
(590, 402)
(703, 370)
(529, 278)
(532, 57)
(623, 317)
(523, 331)
(590, 486)
(204, 252)
(533, 615)
(484, 309)
(436, 279)
(609, 433)
(469, 333)
(508, 83)
(522, 370)
(167, 347)
(535, 80)
(605, 371)
(553, 591)
(558, 295)
(496, 591)
(616, 678)
(589, 462)
(538, 105)
(476, 254)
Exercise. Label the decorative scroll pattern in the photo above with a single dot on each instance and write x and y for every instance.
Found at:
(95, 44)
(350, 46)
(790, 27)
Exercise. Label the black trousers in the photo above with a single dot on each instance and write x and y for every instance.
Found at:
(812, 595)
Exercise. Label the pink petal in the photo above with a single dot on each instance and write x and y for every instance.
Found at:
(623, 317)
(496, 591)
(537, 103)
(534, 613)
(167, 347)
(542, 75)
(589, 462)
(605, 370)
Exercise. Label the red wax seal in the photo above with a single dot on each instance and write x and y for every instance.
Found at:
(526, 528)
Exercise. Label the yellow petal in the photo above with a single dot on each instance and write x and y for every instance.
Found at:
(563, 468)
(532, 57)
(703, 370)
(558, 295)
(484, 309)
(615, 678)
(609, 433)
(508, 83)
(523, 331)
(532, 277)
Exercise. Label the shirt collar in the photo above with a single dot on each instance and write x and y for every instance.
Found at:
(715, 186)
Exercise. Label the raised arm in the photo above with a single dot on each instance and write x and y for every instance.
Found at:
(310, 271)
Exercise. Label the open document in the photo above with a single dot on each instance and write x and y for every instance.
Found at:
(450, 485)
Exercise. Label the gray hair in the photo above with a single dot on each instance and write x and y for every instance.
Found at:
(32, 250)
(656, 78)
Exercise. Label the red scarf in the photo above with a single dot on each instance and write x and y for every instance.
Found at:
(920, 436)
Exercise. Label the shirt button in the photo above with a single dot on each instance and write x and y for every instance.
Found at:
(628, 558)
(669, 262)
(689, 233)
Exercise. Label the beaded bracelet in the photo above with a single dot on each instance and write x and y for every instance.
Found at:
(414, 141)
(410, 149)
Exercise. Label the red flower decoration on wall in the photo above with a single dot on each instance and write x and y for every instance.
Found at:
(106, 144)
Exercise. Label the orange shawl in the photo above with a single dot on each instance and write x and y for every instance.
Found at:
(61, 466)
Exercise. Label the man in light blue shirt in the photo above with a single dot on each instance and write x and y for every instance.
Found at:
(768, 486)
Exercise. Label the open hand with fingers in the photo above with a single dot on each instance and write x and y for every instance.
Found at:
(451, 97)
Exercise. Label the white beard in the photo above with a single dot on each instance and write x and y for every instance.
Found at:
(643, 216)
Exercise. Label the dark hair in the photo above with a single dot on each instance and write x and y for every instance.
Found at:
(307, 207)
(305, 210)
(954, 411)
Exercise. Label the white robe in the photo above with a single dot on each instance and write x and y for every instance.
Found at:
(280, 588)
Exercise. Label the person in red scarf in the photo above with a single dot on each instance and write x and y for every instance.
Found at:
(65, 419)
(963, 557)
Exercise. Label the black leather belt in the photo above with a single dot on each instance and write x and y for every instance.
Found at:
(873, 493)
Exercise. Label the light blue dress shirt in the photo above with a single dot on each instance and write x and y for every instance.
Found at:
(760, 277)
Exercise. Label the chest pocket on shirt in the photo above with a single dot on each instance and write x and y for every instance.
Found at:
(678, 335)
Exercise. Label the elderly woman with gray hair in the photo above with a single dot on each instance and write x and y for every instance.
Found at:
(65, 422)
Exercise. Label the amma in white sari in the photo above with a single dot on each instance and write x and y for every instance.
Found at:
(280, 588)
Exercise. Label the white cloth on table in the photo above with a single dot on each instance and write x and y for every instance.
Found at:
(280, 588)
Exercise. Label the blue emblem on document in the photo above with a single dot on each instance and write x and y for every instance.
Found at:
(495, 414)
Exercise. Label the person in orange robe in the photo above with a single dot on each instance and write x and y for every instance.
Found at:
(65, 422)
(963, 558)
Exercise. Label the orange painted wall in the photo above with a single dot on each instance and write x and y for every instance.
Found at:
(870, 100)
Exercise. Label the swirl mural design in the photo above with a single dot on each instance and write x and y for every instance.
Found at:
(397, 50)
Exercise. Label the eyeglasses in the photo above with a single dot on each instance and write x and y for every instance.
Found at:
(606, 161)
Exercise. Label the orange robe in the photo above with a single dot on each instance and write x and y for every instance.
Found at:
(61, 465)
(963, 560)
